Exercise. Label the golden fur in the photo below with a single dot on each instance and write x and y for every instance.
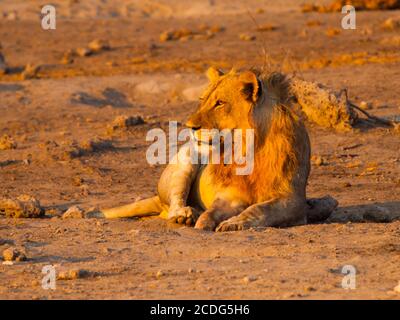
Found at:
(276, 161)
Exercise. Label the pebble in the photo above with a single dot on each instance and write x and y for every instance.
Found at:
(318, 160)
(31, 71)
(247, 37)
(99, 45)
(73, 274)
(365, 105)
(83, 52)
(249, 279)
(13, 254)
(74, 212)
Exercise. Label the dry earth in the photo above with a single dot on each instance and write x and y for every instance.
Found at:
(65, 104)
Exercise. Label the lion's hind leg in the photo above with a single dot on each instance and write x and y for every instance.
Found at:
(142, 208)
(319, 209)
(273, 213)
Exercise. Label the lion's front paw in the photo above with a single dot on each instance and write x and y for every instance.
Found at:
(233, 224)
(205, 222)
(183, 215)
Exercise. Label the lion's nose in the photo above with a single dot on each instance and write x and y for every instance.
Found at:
(193, 126)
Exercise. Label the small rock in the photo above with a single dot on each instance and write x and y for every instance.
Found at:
(85, 190)
(111, 64)
(77, 181)
(124, 122)
(31, 71)
(134, 232)
(266, 27)
(396, 127)
(313, 23)
(310, 289)
(216, 28)
(317, 160)
(13, 254)
(68, 57)
(106, 250)
(99, 45)
(391, 24)
(331, 32)
(160, 274)
(12, 15)
(176, 34)
(366, 105)
(166, 36)
(247, 37)
(83, 52)
(73, 274)
(138, 60)
(74, 212)
(35, 283)
(249, 279)
(191, 270)
(24, 206)
(7, 143)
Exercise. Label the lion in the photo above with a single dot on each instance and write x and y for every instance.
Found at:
(212, 196)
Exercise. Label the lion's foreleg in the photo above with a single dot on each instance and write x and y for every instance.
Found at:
(174, 187)
(219, 211)
(274, 213)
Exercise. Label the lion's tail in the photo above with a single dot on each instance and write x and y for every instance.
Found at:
(319, 209)
(142, 208)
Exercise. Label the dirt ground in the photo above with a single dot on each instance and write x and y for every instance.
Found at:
(68, 102)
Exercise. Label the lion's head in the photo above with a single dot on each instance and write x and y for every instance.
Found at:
(227, 101)
(236, 101)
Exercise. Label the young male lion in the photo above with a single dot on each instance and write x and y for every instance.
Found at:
(273, 194)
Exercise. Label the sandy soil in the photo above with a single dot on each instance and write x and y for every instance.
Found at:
(68, 104)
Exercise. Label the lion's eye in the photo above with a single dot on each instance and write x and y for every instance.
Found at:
(219, 103)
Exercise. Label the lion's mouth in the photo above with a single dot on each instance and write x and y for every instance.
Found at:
(209, 142)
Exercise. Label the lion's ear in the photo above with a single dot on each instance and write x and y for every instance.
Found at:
(251, 85)
(213, 74)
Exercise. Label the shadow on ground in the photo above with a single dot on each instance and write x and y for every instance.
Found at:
(110, 97)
